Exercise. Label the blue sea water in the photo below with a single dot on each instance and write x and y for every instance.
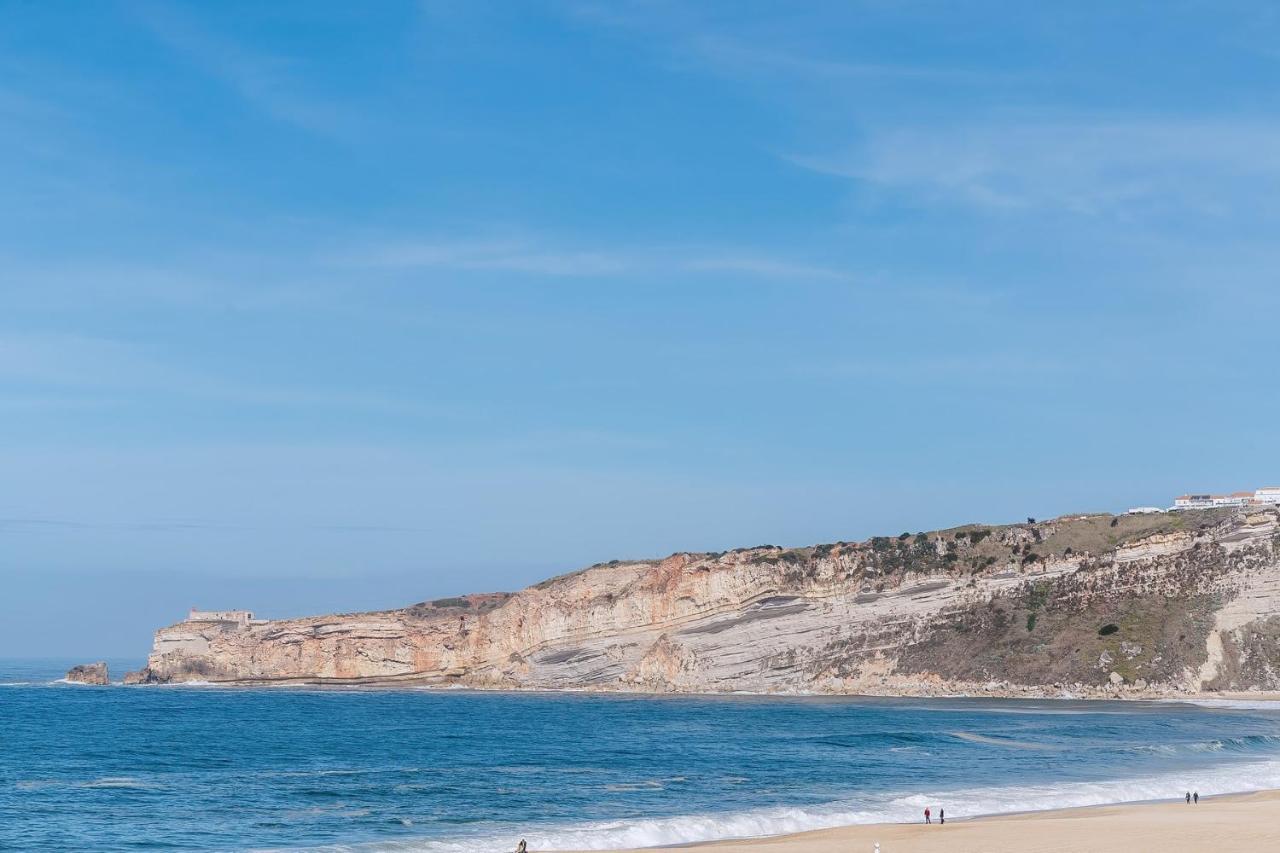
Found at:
(208, 768)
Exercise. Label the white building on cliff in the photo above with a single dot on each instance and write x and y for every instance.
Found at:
(240, 617)
(1267, 495)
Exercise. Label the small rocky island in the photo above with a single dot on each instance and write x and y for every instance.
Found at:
(89, 673)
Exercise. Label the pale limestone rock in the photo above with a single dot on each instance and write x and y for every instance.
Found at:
(89, 673)
(843, 618)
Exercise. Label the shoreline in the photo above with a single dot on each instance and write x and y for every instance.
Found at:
(1226, 823)
(1226, 696)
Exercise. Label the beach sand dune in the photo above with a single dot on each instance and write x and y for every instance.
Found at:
(1246, 823)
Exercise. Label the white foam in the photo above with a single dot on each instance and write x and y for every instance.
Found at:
(890, 808)
(1238, 704)
(177, 685)
(102, 782)
(116, 782)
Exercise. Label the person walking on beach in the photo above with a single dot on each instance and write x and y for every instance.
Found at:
(1196, 797)
(942, 815)
(1188, 798)
(926, 815)
(521, 847)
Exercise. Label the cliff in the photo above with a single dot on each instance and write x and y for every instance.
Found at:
(1089, 605)
(89, 673)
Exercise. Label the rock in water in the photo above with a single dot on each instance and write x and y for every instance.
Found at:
(142, 676)
(89, 673)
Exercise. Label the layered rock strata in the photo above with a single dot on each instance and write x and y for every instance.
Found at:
(89, 673)
(1159, 604)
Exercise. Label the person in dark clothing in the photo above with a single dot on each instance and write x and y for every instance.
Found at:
(942, 815)
(926, 815)
(521, 847)
(1188, 798)
(1196, 797)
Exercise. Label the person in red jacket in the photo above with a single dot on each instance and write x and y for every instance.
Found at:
(926, 815)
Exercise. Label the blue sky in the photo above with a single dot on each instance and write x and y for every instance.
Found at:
(326, 306)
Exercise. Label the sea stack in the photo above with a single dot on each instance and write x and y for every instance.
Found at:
(89, 673)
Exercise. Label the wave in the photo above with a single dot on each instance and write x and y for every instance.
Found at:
(178, 685)
(102, 782)
(1245, 743)
(889, 808)
(1002, 741)
(1237, 704)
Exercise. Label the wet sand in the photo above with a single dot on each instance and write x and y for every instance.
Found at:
(1241, 823)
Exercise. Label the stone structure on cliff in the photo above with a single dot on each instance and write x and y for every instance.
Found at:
(1151, 604)
(89, 673)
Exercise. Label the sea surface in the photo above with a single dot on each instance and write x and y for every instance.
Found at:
(215, 768)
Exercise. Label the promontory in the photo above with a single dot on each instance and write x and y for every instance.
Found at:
(1155, 604)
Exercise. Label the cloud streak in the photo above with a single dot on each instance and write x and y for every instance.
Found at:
(77, 370)
(1090, 168)
(536, 257)
(262, 80)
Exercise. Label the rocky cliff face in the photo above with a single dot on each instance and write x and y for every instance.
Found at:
(1090, 605)
(89, 673)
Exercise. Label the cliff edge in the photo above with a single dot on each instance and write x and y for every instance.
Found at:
(1158, 604)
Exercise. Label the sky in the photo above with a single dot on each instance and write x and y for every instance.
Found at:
(319, 306)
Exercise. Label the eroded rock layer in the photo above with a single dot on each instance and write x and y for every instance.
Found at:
(89, 673)
(1085, 605)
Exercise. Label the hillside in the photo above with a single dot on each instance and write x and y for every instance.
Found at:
(1089, 605)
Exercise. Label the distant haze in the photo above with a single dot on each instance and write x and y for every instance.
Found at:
(317, 306)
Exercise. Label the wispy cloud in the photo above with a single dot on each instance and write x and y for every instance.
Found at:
(534, 256)
(1204, 167)
(737, 56)
(77, 371)
(737, 47)
(520, 256)
(183, 526)
(766, 267)
(264, 80)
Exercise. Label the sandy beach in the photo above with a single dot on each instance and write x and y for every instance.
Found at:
(1227, 824)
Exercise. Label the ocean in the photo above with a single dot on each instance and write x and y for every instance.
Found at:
(214, 768)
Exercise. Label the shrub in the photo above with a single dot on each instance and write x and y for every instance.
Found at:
(1108, 629)
(1031, 621)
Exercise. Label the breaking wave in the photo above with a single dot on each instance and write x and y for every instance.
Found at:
(900, 808)
(1238, 704)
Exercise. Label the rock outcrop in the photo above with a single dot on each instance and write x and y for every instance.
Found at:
(89, 673)
(1158, 604)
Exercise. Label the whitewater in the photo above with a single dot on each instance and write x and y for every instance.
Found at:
(195, 768)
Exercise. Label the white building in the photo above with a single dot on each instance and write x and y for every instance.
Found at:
(242, 617)
(1143, 510)
(1269, 495)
